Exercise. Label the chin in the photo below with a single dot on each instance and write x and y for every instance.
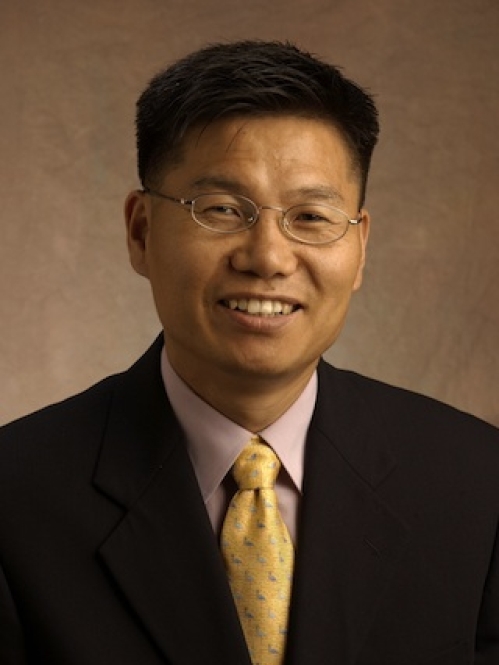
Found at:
(269, 367)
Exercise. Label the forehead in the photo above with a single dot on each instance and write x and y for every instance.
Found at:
(279, 144)
(235, 136)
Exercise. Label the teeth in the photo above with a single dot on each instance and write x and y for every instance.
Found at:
(255, 307)
(260, 307)
(277, 307)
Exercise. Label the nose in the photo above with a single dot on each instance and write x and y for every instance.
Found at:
(263, 249)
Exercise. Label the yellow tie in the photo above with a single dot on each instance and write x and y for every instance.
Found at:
(259, 554)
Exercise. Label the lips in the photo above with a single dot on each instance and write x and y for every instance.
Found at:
(257, 307)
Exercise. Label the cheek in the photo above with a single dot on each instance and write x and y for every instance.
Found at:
(180, 276)
(353, 263)
(165, 276)
(339, 273)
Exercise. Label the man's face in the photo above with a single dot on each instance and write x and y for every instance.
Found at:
(196, 274)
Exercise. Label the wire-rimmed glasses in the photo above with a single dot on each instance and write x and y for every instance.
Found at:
(221, 212)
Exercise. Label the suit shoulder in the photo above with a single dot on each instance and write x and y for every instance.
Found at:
(399, 405)
(59, 419)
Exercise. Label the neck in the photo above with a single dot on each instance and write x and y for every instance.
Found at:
(252, 402)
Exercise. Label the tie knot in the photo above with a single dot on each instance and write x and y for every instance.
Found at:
(256, 467)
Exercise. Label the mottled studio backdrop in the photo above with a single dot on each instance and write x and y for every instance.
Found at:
(71, 309)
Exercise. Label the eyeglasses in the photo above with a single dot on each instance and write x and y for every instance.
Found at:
(309, 223)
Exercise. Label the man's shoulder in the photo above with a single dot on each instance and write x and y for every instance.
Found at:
(88, 406)
(399, 407)
(73, 413)
(53, 448)
(60, 445)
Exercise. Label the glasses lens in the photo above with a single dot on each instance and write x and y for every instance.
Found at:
(316, 223)
(224, 213)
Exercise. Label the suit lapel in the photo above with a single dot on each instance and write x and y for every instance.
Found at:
(349, 539)
(163, 555)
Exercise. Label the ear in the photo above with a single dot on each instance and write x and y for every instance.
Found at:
(363, 229)
(137, 219)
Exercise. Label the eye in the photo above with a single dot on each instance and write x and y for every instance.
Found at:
(220, 212)
(309, 217)
(219, 207)
(223, 210)
(316, 216)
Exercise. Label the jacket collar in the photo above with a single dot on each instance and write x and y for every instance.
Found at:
(163, 555)
(349, 539)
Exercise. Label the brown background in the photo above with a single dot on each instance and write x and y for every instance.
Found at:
(71, 309)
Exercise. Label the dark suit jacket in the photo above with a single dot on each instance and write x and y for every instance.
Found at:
(108, 555)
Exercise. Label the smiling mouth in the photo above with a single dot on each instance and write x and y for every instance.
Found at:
(257, 307)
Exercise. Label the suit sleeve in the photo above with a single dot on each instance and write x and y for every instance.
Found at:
(12, 645)
(487, 640)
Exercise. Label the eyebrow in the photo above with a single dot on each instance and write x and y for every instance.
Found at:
(311, 192)
(320, 192)
(223, 184)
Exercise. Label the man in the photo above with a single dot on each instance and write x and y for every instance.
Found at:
(117, 506)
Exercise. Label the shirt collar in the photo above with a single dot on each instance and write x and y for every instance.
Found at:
(214, 441)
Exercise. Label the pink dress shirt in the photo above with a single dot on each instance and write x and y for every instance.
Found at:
(214, 442)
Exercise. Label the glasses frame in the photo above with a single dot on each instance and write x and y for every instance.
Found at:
(283, 222)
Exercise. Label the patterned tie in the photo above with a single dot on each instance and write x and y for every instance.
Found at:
(259, 554)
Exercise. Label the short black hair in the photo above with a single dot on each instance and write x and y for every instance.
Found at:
(249, 78)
